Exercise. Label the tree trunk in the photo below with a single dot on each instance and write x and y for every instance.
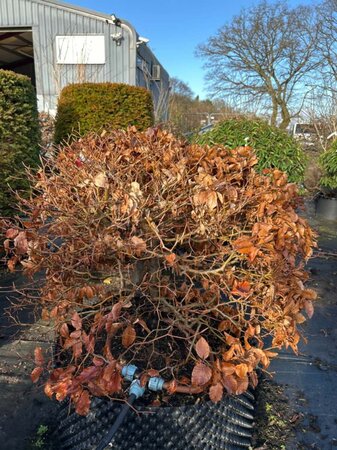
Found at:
(273, 118)
(285, 116)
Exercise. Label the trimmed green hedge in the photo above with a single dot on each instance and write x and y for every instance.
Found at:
(87, 107)
(328, 161)
(19, 136)
(274, 147)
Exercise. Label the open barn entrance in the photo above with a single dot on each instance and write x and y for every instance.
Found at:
(16, 51)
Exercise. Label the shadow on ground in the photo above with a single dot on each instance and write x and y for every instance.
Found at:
(299, 405)
(24, 409)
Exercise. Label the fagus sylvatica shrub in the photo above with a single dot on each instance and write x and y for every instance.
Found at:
(178, 258)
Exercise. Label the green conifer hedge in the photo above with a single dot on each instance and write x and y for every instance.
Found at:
(87, 107)
(19, 136)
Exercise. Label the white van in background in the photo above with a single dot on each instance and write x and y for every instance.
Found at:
(305, 132)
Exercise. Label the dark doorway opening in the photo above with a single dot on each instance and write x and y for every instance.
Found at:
(17, 52)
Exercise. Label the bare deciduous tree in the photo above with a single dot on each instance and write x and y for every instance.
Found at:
(266, 55)
(327, 43)
(188, 113)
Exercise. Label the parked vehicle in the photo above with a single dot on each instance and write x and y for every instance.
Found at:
(305, 132)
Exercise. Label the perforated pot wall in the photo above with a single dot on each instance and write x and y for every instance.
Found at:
(226, 425)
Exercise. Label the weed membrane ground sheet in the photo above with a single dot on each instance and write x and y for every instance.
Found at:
(298, 406)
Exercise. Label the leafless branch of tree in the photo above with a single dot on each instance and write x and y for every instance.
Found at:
(267, 55)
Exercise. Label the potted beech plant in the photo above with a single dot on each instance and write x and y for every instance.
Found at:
(164, 261)
(326, 204)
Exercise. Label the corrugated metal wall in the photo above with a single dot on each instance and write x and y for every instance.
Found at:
(159, 87)
(48, 20)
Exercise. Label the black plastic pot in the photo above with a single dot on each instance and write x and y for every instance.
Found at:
(326, 208)
(225, 425)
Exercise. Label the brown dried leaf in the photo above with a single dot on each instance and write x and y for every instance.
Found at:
(83, 403)
(138, 244)
(45, 314)
(171, 259)
(48, 389)
(76, 321)
(262, 356)
(172, 387)
(88, 374)
(115, 383)
(88, 341)
(227, 368)
(242, 385)
(242, 245)
(76, 334)
(230, 384)
(128, 336)
(38, 356)
(230, 339)
(253, 379)
(116, 311)
(202, 348)
(11, 233)
(300, 318)
(245, 247)
(143, 379)
(69, 343)
(142, 323)
(184, 381)
(216, 392)
(36, 373)
(98, 361)
(309, 308)
(241, 370)
(21, 243)
(309, 294)
(156, 403)
(6, 245)
(77, 349)
(64, 330)
(207, 198)
(54, 312)
(101, 180)
(153, 373)
(201, 374)
(89, 292)
(241, 288)
(12, 263)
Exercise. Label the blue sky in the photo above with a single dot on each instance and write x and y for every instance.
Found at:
(175, 28)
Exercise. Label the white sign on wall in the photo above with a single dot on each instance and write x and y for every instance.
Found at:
(80, 49)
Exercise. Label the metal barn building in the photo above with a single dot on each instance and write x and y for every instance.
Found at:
(56, 44)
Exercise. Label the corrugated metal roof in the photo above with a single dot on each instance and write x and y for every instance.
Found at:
(75, 8)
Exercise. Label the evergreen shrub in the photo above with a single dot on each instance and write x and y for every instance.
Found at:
(88, 107)
(328, 161)
(274, 148)
(19, 135)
